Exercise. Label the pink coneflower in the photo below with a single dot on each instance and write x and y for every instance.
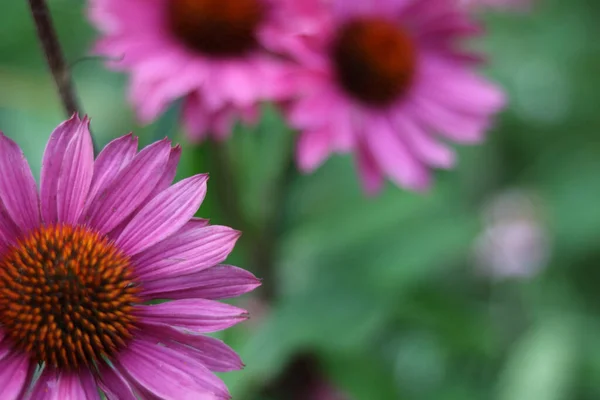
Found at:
(212, 53)
(81, 259)
(387, 80)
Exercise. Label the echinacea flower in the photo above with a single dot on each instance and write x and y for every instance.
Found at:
(387, 80)
(212, 53)
(82, 259)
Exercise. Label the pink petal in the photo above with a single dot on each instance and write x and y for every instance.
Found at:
(51, 166)
(16, 371)
(465, 91)
(151, 93)
(53, 385)
(169, 173)
(169, 374)
(9, 232)
(211, 352)
(457, 126)
(18, 190)
(368, 170)
(129, 189)
(163, 183)
(163, 215)
(313, 148)
(114, 385)
(455, 102)
(219, 282)
(194, 223)
(427, 149)
(76, 174)
(112, 159)
(195, 315)
(186, 251)
(242, 82)
(393, 157)
(312, 110)
(195, 120)
(191, 224)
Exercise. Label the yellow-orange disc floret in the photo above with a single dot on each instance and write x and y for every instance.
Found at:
(66, 296)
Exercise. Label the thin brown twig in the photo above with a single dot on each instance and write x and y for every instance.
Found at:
(54, 55)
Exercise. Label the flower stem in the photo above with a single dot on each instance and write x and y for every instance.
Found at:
(54, 55)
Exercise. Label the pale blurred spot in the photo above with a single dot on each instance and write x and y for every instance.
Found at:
(514, 242)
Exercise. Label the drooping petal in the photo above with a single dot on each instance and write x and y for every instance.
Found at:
(195, 119)
(314, 146)
(195, 315)
(426, 148)
(114, 385)
(169, 374)
(393, 157)
(129, 188)
(76, 174)
(219, 282)
(51, 165)
(211, 352)
(54, 385)
(368, 170)
(163, 215)
(18, 190)
(186, 252)
(111, 160)
(16, 371)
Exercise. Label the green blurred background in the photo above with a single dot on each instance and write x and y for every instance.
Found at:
(486, 287)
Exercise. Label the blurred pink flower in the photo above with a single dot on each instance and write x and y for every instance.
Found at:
(387, 80)
(212, 53)
(82, 258)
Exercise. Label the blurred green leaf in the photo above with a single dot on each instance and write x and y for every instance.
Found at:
(361, 376)
(542, 363)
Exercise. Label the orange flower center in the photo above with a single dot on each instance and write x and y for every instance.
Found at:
(374, 60)
(218, 28)
(66, 297)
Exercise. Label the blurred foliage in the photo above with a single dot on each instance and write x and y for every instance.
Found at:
(383, 290)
